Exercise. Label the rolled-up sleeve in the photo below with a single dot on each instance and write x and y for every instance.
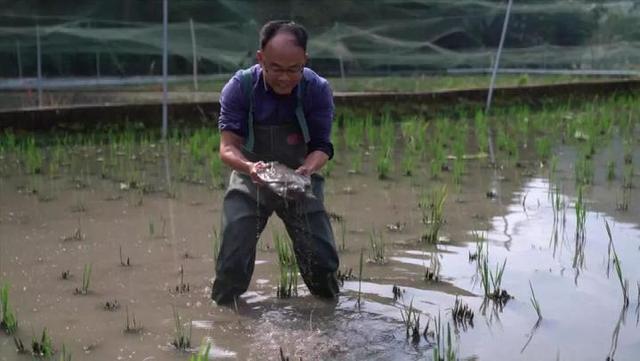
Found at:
(234, 108)
(319, 114)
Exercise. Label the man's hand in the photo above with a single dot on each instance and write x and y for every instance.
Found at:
(304, 170)
(254, 169)
(312, 163)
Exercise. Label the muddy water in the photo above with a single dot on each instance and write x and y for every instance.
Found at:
(582, 306)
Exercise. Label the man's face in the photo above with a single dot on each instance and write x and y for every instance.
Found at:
(282, 63)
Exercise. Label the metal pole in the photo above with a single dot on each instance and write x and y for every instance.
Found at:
(19, 57)
(493, 77)
(497, 62)
(98, 64)
(195, 56)
(165, 15)
(39, 65)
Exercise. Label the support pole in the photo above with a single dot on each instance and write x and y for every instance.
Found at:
(195, 56)
(165, 15)
(39, 65)
(493, 77)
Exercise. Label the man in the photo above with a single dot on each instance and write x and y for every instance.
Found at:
(277, 110)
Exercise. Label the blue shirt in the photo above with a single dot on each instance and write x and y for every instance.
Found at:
(270, 108)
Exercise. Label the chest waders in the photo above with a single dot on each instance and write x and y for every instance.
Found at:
(247, 207)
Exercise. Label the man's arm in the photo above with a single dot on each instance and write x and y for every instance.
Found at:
(319, 114)
(231, 155)
(313, 162)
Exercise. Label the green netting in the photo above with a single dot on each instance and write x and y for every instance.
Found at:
(375, 36)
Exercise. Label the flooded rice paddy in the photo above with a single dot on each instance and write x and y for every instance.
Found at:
(108, 241)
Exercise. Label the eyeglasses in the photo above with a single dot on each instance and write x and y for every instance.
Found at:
(278, 71)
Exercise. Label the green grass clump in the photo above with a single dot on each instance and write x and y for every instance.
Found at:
(432, 207)
(8, 322)
(42, 348)
(288, 282)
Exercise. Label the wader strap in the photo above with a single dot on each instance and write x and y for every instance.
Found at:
(247, 88)
(302, 121)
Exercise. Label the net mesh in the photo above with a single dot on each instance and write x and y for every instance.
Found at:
(124, 38)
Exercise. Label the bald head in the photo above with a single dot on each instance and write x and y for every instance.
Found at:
(296, 31)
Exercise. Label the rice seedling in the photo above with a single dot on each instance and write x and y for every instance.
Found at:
(86, 279)
(376, 247)
(623, 205)
(343, 235)
(9, 321)
(627, 176)
(383, 163)
(17, 341)
(611, 170)
(543, 148)
(345, 276)
(360, 268)
(581, 214)
(356, 161)
(288, 282)
(397, 292)
(77, 234)
(432, 207)
(217, 180)
(111, 306)
(181, 340)
(43, 347)
(443, 346)
(624, 284)
(583, 171)
(462, 315)
(33, 156)
(182, 287)
(131, 326)
(328, 168)
(203, 353)
(354, 134)
(371, 130)
(64, 354)
(534, 302)
(65, 275)
(122, 262)
(432, 273)
(411, 320)
(491, 282)
(215, 245)
(409, 161)
(481, 130)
